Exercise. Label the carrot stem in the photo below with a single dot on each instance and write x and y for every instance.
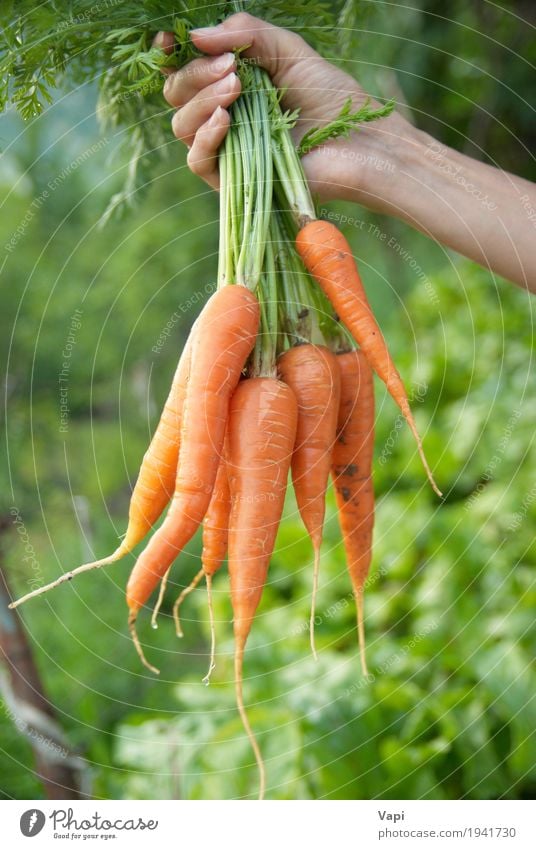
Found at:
(291, 176)
(225, 183)
(186, 591)
(246, 182)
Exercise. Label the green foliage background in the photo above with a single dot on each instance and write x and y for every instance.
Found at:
(448, 710)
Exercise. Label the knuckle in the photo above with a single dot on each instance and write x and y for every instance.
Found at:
(298, 42)
(301, 49)
(241, 20)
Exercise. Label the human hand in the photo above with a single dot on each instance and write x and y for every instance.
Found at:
(203, 91)
(388, 166)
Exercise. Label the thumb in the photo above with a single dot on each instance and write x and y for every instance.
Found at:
(275, 49)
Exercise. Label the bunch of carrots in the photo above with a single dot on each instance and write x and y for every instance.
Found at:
(276, 376)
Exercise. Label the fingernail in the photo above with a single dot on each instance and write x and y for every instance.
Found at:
(226, 84)
(215, 117)
(221, 63)
(205, 32)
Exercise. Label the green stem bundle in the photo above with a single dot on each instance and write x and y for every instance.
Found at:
(264, 201)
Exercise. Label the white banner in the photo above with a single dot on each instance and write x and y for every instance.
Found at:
(258, 825)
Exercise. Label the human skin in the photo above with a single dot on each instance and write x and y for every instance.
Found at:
(389, 166)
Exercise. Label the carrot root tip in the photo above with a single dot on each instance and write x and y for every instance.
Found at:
(316, 570)
(361, 632)
(138, 646)
(312, 639)
(239, 658)
(68, 576)
(161, 594)
(413, 427)
(206, 679)
(186, 591)
(212, 662)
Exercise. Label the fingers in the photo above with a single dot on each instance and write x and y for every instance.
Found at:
(166, 41)
(276, 49)
(182, 85)
(188, 120)
(201, 91)
(207, 86)
(203, 155)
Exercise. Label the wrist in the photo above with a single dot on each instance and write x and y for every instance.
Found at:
(391, 153)
(366, 167)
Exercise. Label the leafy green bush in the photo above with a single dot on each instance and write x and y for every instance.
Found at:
(448, 710)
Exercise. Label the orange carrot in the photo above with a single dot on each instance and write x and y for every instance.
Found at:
(224, 338)
(215, 539)
(327, 256)
(261, 432)
(312, 372)
(352, 474)
(215, 532)
(156, 478)
(216, 523)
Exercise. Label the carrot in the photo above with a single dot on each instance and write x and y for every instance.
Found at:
(352, 474)
(327, 256)
(261, 432)
(312, 372)
(156, 478)
(215, 540)
(216, 523)
(224, 338)
(215, 530)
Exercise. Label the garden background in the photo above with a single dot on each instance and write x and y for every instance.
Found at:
(92, 323)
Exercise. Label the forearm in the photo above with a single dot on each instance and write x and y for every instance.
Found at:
(482, 212)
